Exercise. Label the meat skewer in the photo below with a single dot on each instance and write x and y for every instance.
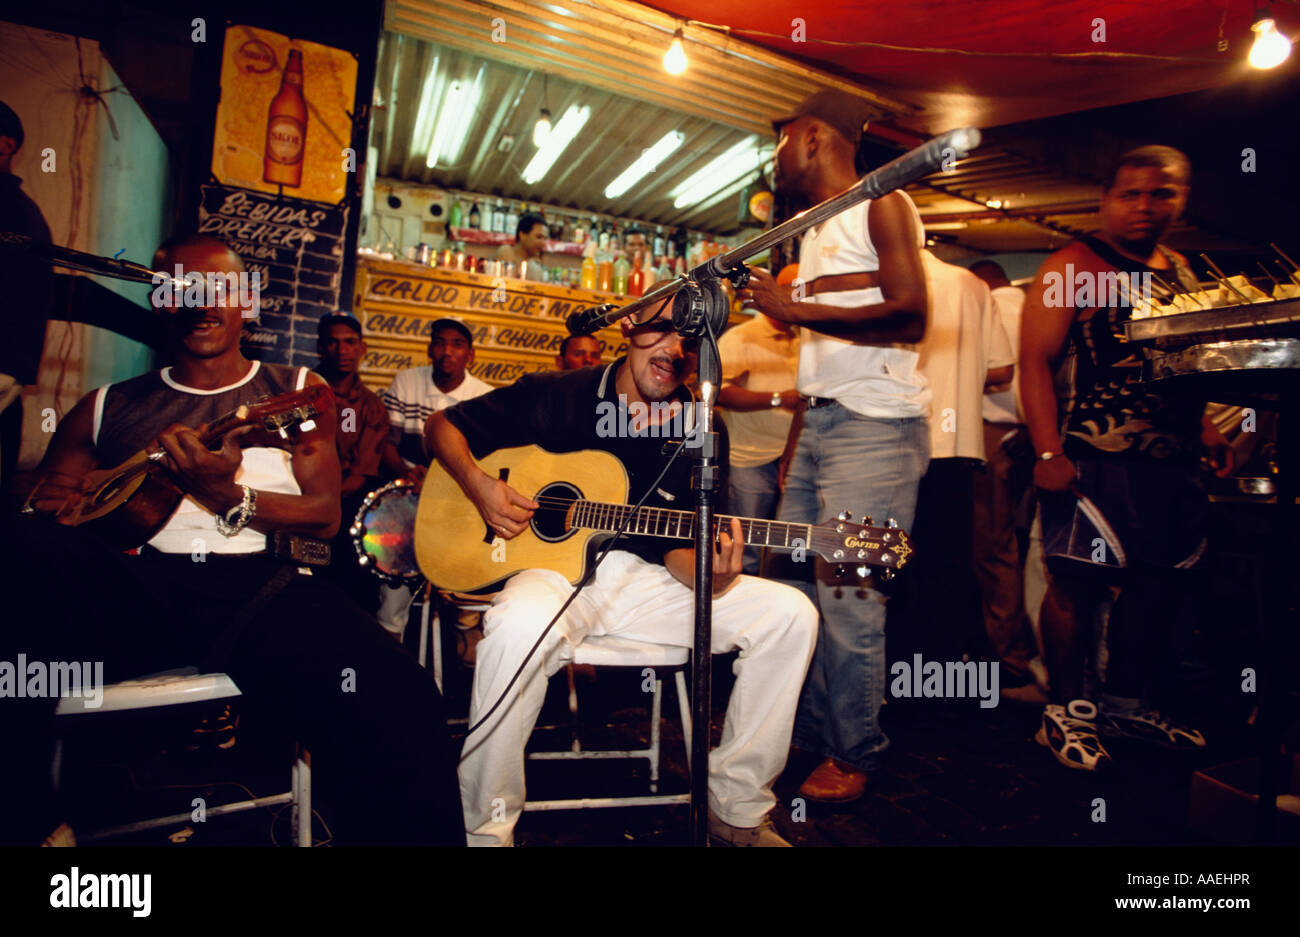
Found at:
(1281, 253)
(1222, 278)
(1276, 281)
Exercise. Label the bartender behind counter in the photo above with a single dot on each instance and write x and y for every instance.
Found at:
(529, 245)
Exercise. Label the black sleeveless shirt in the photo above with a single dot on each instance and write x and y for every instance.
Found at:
(1107, 410)
(129, 415)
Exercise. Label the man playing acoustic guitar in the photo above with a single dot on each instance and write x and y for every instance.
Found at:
(220, 582)
(642, 590)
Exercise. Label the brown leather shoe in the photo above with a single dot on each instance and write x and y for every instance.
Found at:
(834, 782)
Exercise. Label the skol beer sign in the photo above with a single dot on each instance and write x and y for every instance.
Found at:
(282, 124)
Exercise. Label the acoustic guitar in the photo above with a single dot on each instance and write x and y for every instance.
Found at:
(128, 504)
(583, 496)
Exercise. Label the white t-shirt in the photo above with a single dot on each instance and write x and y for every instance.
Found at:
(263, 468)
(963, 339)
(413, 397)
(759, 357)
(873, 380)
(1004, 405)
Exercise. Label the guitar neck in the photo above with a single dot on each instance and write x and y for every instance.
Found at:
(672, 524)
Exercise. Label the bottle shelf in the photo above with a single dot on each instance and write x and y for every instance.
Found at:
(494, 238)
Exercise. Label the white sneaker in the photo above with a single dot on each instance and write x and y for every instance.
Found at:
(1148, 725)
(1070, 731)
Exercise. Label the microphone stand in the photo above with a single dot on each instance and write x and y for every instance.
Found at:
(700, 312)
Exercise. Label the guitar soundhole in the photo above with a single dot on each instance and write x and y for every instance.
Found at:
(548, 522)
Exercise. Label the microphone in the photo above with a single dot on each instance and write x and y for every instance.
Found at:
(592, 319)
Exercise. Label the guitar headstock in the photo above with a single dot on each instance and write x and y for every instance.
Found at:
(861, 545)
(298, 408)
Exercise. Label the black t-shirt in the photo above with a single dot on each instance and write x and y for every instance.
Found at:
(28, 285)
(564, 411)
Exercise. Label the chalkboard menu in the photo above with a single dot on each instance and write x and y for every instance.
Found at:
(297, 248)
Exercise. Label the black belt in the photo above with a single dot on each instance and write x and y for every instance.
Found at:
(298, 548)
(815, 402)
(281, 545)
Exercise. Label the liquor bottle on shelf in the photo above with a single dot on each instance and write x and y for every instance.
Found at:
(498, 218)
(512, 219)
(454, 214)
(587, 273)
(636, 282)
(286, 128)
(475, 218)
(604, 269)
(578, 232)
(621, 272)
(659, 241)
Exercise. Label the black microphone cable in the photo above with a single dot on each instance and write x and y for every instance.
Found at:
(578, 588)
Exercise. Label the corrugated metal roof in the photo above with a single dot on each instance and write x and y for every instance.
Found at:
(601, 55)
(616, 133)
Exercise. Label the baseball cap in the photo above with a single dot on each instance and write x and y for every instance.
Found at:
(337, 318)
(847, 113)
(446, 323)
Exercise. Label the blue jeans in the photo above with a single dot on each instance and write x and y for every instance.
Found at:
(866, 466)
(752, 492)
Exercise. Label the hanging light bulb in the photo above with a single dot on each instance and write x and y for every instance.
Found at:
(542, 129)
(1270, 48)
(675, 60)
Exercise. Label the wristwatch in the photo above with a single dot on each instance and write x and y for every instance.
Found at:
(776, 399)
(237, 518)
(1049, 455)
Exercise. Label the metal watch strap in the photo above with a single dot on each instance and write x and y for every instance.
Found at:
(238, 517)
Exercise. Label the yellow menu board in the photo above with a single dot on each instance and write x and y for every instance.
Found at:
(517, 325)
(283, 124)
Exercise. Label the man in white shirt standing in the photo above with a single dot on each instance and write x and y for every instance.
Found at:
(862, 441)
(759, 361)
(999, 491)
(414, 396)
(965, 347)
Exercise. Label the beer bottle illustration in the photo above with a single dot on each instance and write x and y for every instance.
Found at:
(286, 128)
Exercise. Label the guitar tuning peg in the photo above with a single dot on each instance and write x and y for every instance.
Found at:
(845, 516)
(891, 524)
(887, 575)
(839, 572)
(863, 572)
(866, 520)
(306, 426)
(284, 433)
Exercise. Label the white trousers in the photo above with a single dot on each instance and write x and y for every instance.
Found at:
(772, 625)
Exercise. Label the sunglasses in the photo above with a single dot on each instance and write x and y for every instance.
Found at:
(660, 327)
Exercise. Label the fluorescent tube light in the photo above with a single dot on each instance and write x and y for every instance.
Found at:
(743, 158)
(455, 118)
(647, 162)
(561, 135)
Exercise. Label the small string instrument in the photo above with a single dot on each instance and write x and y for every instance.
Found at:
(128, 504)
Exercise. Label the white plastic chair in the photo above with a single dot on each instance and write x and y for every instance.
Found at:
(602, 651)
(178, 689)
(614, 651)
